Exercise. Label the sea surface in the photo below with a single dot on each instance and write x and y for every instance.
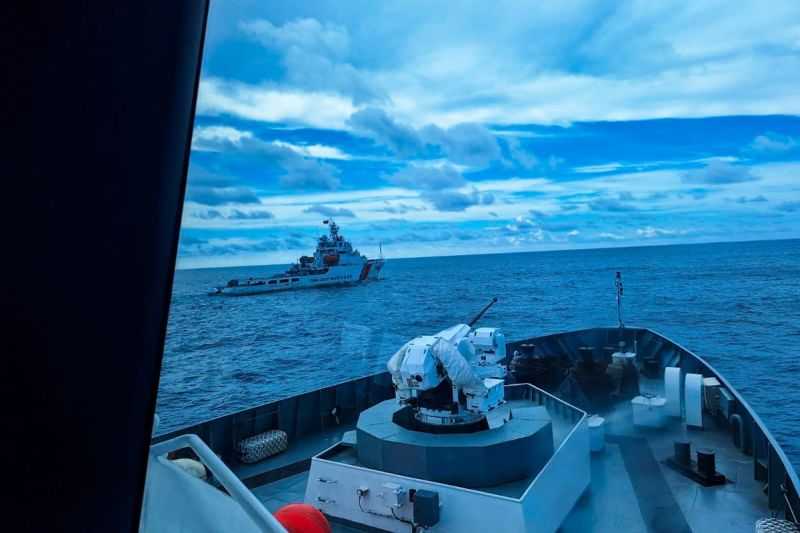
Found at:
(735, 304)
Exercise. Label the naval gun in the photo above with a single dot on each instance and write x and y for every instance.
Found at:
(451, 380)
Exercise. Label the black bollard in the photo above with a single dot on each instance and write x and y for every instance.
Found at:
(706, 462)
(683, 454)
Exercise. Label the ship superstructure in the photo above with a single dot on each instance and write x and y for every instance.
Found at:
(334, 262)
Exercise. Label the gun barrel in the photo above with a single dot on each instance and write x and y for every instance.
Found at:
(482, 312)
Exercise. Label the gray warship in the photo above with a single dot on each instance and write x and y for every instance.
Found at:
(605, 429)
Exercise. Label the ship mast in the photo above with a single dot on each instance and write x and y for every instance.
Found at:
(618, 285)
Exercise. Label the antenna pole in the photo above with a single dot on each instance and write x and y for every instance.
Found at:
(618, 285)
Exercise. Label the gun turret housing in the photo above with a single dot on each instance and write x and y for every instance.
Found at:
(451, 379)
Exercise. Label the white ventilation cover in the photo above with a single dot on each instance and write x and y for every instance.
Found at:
(694, 400)
(672, 390)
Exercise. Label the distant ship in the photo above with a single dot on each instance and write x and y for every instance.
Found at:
(335, 262)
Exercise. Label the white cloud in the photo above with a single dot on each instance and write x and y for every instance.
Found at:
(215, 138)
(649, 232)
(268, 103)
(774, 143)
(210, 138)
(308, 34)
(319, 151)
(596, 169)
(448, 64)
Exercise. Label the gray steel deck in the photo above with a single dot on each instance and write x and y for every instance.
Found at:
(630, 489)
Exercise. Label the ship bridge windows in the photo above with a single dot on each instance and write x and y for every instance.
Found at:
(295, 279)
(273, 281)
(285, 280)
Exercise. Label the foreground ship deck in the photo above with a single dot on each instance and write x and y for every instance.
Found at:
(631, 487)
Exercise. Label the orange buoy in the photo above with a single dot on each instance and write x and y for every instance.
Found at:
(302, 518)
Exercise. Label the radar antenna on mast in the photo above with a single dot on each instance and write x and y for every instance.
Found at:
(618, 285)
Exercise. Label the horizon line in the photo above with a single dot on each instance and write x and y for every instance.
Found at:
(554, 250)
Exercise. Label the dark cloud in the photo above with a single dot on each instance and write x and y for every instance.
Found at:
(192, 247)
(427, 178)
(211, 214)
(398, 208)
(330, 211)
(613, 205)
(300, 172)
(467, 143)
(695, 194)
(314, 56)
(658, 196)
(201, 176)
(235, 214)
(555, 227)
(519, 154)
(789, 207)
(221, 195)
(387, 225)
(428, 235)
(375, 123)
(626, 197)
(188, 240)
(457, 201)
(313, 71)
(719, 173)
(260, 214)
(750, 199)
(305, 173)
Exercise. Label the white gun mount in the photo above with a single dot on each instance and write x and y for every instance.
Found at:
(453, 378)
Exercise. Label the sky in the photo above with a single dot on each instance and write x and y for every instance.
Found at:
(443, 128)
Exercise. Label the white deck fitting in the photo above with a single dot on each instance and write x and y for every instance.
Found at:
(597, 433)
(672, 390)
(693, 400)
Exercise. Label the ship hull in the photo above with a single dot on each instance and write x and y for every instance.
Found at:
(631, 485)
(335, 276)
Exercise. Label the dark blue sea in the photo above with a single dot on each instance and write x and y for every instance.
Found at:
(735, 304)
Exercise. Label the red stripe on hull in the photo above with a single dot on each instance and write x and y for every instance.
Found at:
(365, 271)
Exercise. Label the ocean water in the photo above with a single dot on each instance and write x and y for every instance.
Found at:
(735, 304)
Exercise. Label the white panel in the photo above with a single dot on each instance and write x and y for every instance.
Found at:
(333, 488)
(694, 400)
(558, 486)
(672, 390)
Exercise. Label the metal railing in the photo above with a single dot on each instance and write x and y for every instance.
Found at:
(260, 516)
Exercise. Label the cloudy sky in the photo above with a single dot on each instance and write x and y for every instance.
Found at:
(440, 128)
